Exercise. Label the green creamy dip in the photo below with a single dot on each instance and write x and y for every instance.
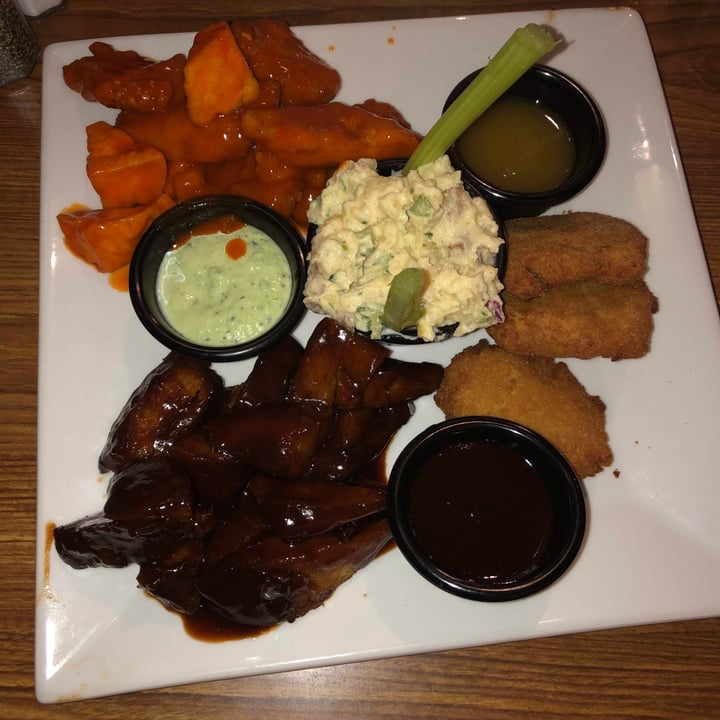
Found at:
(214, 295)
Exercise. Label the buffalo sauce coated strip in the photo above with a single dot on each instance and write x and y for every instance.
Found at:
(288, 72)
(270, 132)
(326, 135)
(126, 80)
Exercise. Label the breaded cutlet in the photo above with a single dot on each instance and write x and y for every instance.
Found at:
(572, 247)
(537, 392)
(580, 320)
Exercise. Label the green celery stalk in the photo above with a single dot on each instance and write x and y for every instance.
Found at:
(525, 47)
(403, 306)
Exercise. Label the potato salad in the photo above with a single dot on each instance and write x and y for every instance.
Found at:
(371, 227)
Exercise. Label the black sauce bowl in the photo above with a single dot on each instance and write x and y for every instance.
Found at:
(409, 336)
(538, 540)
(566, 97)
(177, 222)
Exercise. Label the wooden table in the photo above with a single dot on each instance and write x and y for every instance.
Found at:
(665, 671)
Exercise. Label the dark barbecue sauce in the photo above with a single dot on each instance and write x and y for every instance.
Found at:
(495, 504)
(208, 626)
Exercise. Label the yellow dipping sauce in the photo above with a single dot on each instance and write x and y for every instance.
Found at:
(520, 145)
(224, 287)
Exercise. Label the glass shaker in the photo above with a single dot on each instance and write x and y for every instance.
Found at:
(19, 48)
(36, 8)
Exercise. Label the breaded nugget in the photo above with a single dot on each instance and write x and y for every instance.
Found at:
(572, 247)
(537, 392)
(581, 320)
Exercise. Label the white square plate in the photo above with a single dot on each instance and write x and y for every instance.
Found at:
(653, 545)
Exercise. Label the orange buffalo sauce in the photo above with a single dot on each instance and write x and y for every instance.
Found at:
(225, 224)
(176, 138)
(235, 248)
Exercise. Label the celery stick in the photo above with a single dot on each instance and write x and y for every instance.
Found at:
(523, 49)
(403, 306)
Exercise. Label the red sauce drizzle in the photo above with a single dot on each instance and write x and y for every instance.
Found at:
(235, 248)
(120, 279)
(225, 224)
(49, 528)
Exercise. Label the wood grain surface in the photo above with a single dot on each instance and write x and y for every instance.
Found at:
(661, 671)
